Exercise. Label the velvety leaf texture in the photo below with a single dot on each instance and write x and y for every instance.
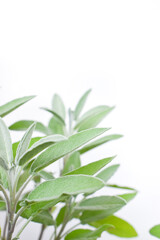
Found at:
(99, 142)
(58, 106)
(12, 105)
(71, 185)
(91, 168)
(23, 125)
(40, 145)
(6, 154)
(60, 149)
(92, 118)
(81, 104)
(24, 143)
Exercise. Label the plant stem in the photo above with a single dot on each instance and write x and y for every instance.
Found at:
(23, 227)
(66, 219)
(70, 229)
(5, 228)
(42, 232)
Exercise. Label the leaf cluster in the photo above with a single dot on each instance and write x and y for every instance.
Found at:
(57, 199)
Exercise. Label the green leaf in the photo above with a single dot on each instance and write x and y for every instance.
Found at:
(128, 196)
(61, 149)
(107, 173)
(91, 168)
(70, 185)
(15, 145)
(23, 178)
(40, 145)
(120, 187)
(12, 105)
(99, 142)
(99, 208)
(121, 227)
(23, 125)
(55, 127)
(58, 117)
(60, 216)
(72, 162)
(46, 175)
(24, 143)
(3, 177)
(44, 217)
(6, 154)
(92, 118)
(155, 231)
(58, 106)
(2, 205)
(87, 234)
(81, 104)
(101, 203)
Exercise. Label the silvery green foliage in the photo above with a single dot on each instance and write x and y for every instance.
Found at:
(72, 193)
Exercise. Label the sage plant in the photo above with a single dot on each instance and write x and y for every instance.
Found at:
(56, 199)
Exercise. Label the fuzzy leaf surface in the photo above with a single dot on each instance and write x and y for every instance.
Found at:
(12, 105)
(70, 185)
(107, 173)
(62, 148)
(24, 143)
(91, 168)
(39, 146)
(92, 118)
(72, 163)
(99, 142)
(101, 203)
(23, 125)
(81, 104)
(6, 153)
(58, 106)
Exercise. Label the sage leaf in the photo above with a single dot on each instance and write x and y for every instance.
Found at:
(6, 154)
(87, 234)
(121, 227)
(120, 187)
(91, 214)
(55, 127)
(91, 168)
(40, 145)
(24, 143)
(60, 216)
(128, 196)
(70, 185)
(58, 150)
(99, 142)
(81, 104)
(3, 177)
(23, 125)
(44, 217)
(92, 118)
(15, 145)
(58, 106)
(2, 205)
(101, 203)
(107, 173)
(55, 114)
(72, 162)
(155, 231)
(12, 105)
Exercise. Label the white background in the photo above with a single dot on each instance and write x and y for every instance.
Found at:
(112, 47)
